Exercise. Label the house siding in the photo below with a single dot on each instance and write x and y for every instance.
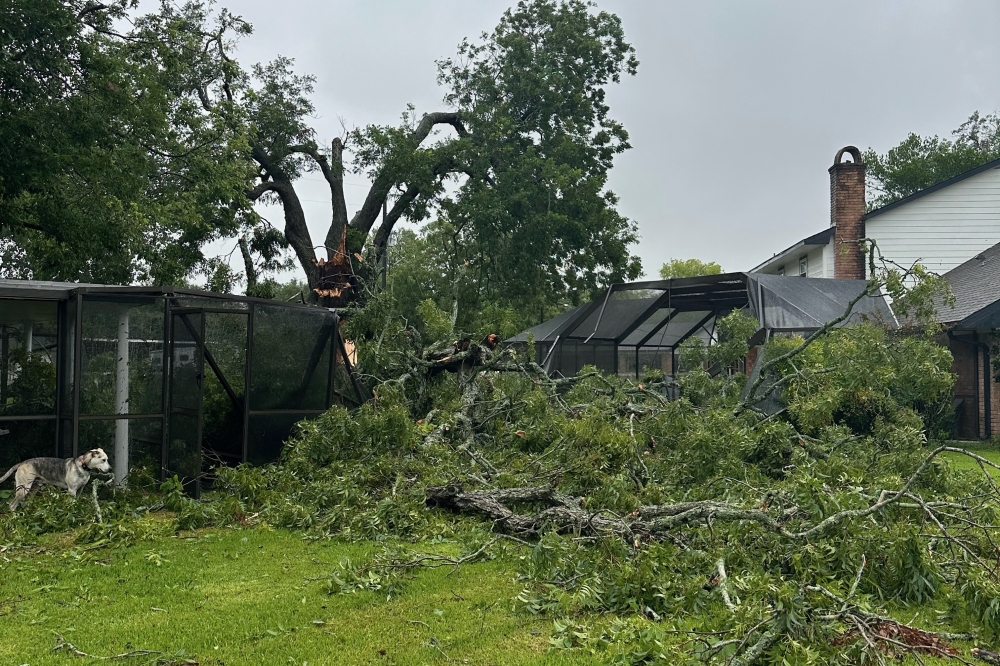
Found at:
(815, 267)
(820, 263)
(944, 228)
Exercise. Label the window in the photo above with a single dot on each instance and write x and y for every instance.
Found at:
(803, 266)
(781, 270)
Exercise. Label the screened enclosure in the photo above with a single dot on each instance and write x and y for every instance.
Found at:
(640, 325)
(178, 381)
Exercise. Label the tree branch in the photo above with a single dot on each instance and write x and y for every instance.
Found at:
(365, 218)
(566, 514)
(248, 266)
(259, 190)
(385, 230)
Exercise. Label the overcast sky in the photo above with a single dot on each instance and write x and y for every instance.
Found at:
(735, 115)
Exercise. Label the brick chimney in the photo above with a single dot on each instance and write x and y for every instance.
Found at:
(847, 214)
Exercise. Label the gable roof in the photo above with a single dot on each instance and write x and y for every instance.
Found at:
(822, 238)
(993, 164)
(976, 285)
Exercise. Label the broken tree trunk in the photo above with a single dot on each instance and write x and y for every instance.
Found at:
(563, 512)
(566, 514)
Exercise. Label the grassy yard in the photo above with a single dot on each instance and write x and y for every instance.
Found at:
(259, 596)
(987, 450)
(243, 597)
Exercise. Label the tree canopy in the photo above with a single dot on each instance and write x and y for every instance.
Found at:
(919, 162)
(682, 268)
(126, 151)
(111, 170)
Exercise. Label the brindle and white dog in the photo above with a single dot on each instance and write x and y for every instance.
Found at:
(69, 473)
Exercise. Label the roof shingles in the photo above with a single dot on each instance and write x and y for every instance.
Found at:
(975, 284)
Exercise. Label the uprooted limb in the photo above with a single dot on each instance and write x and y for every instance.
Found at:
(565, 513)
(876, 634)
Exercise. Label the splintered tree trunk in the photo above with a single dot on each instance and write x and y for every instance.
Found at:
(337, 285)
(336, 282)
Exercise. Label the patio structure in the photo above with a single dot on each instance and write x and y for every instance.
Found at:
(641, 324)
(177, 380)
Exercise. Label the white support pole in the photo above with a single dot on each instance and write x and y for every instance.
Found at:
(29, 337)
(121, 401)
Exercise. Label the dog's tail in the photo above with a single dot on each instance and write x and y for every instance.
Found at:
(9, 472)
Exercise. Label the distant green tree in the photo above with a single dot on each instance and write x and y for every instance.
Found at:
(435, 266)
(920, 162)
(682, 268)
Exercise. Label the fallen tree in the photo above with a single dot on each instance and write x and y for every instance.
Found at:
(565, 514)
(695, 530)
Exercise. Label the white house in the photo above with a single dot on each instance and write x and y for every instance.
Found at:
(952, 228)
(940, 226)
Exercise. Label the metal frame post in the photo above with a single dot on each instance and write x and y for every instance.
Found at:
(4, 363)
(60, 371)
(248, 382)
(77, 372)
(168, 352)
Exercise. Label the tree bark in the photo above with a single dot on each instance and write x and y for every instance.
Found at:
(248, 266)
(336, 237)
(297, 232)
(296, 229)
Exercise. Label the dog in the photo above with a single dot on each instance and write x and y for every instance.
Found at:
(69, 473)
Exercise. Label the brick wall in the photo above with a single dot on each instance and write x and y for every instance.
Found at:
(967, 423)
(972, 375)
(994, 394)
(847, 214)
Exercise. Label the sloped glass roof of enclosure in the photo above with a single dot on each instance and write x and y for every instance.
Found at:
(800, 304)
(641, 324)
(175, 380)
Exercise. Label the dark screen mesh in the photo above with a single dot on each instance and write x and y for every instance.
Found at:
(571, 356)
(267, 436)
(651, 359)
(808, 303)
(222, 421)
(103, 321)
(680, 326)
(291, 358)
(20, 440)
(28, 358)
(622, 311)
(651, 325)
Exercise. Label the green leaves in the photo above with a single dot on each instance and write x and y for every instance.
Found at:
(533, 217)
(683, 268)
(114, 171)
(919, 162)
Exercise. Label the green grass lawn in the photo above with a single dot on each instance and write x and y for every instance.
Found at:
(232, 597)
(987, 450)
(243, 597)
